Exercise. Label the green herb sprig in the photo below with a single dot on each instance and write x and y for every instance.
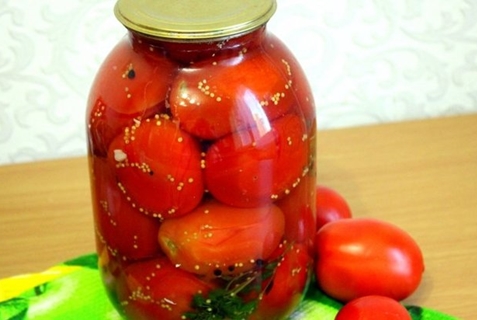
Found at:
(228, 302)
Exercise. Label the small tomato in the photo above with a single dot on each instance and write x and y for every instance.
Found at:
(158, 167)
(156, 289)
(373, 308)
(132, 83)
(130, 234)
(330, 206)
(217, 240)
(208, 95)
(257, 166)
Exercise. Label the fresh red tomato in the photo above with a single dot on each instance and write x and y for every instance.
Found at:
(373, 308)
(257, 166)
(216, 97)
(158, 167)
(330, 206)
(127, 233)
(286, 289)
(131, 83)
(361, 256)
(218, 240)
(155, 289)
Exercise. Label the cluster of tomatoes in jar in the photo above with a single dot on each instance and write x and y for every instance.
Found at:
(203, 178)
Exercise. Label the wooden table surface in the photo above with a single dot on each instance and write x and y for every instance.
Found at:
(420, 175)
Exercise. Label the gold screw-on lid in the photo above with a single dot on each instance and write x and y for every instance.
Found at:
(194, 19)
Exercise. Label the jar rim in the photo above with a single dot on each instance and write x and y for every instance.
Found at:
(185, 20)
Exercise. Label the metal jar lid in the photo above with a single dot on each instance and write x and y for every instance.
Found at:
(183, 20)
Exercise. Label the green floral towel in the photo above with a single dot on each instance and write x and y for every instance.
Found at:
(73, 290)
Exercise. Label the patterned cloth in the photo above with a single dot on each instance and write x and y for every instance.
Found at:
(73, 290)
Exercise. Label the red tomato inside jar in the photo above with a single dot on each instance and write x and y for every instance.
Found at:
(201, 140)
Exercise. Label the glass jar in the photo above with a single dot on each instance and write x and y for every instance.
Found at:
(201, 142)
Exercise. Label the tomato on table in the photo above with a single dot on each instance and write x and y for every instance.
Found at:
(132, 83)
(330, 206)
(216, 97)
(217, 240)
(373, 308)
(127, 233)
(256, 166)
(156, 289)
(362, 256)
(158, 167)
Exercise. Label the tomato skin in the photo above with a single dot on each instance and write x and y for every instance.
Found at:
(373, 308)
(105, 123)
(300, 88)
(216, 240)
(126, 232)
(214, 97)
(142, 78)
(155, 289)
(288, 286)
(158, 167)
(330, 206)
(131, 83)
(257, 166)
(363, 256)
(300, 215)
